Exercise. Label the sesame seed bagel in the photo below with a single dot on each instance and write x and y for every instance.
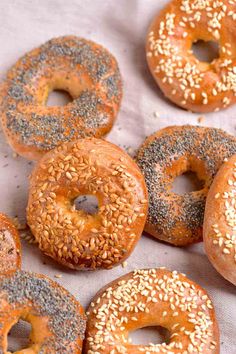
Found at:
(192, 84)
(10, 247)
(154, 297)
(86, 70)
(220, 221)
(168, 153)
(74, 237)
(57, 318)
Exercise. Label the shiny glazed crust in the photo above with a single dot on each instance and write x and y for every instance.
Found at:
(57, 318)
(220, 221)
(73, 237)
(152, 297)
(168, 153)
(186, 81)
(86, 70)
(10, 247)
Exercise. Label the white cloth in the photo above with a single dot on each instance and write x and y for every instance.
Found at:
(120, 26)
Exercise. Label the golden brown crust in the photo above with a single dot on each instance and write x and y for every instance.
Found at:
(189, 83)
(220, 221)
(57, 318)
(83, 68)
(168, 153)
(10, 247)
(72, 237)
(150, 298)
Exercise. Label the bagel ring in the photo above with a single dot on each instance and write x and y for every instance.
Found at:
(154, 297)
(57, 319)
(168, 153)
(84, 69)
(220, 221)
(192, 84)
(74, 237)
(10, 247)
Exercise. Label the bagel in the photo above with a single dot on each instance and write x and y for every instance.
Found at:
(57, 318)
(10, 247)
(220, 221)
(84, 69)
(74, 237)
(153, 297)
(168, 153)
(192, 84)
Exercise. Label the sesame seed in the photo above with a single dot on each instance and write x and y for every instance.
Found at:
(74, 237)
(124, 264)
(180, 69)
(126, 300)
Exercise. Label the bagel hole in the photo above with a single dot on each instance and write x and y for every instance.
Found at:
(18, 336)
(87, 203)
(148, 335)
(186, 183)
(205, 51)
(58, 98)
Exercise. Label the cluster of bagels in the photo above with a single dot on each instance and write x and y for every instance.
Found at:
(133, 194)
